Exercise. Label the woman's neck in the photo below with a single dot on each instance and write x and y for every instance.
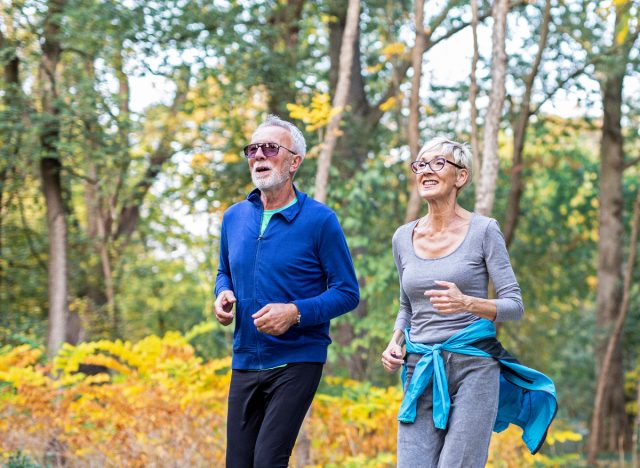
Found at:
(442, 216)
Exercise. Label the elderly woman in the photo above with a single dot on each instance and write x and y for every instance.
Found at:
(459, 382)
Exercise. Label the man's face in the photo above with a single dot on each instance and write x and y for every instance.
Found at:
(274, 172)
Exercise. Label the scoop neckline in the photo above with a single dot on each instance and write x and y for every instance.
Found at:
(466, 235)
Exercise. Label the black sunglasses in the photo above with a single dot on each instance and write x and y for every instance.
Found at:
(436, 164)
(269, 150)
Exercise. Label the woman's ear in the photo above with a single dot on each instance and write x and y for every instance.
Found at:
(461, 178)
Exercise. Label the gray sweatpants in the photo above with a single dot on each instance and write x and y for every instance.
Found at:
(474, 385)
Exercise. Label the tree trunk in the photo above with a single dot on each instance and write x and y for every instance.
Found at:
(50, 168)
(636, 429)
(613, 422)
(613, 343)
(485, 192)
(413, 207)
(610, 429)
(520, 130)
(282, 39)
(339, 100)
(11, 72)
(473, 96)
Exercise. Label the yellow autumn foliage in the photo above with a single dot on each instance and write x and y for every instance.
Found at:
(159, 404)
(315, 116)
(388, 104)
(396, 48)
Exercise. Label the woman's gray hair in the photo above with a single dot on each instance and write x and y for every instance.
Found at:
(299, 144)
(459, 152)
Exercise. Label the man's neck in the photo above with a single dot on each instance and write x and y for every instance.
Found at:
(277, 197)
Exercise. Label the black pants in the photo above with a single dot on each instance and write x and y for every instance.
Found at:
(266, 410)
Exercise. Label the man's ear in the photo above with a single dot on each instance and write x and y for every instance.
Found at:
(295, 163)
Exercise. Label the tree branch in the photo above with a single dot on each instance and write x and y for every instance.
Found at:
(561, 85)
(631, 163)
(403, 66)
(130, 213)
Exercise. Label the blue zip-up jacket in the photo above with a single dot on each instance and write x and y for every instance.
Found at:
(302, 257)
(527, 397)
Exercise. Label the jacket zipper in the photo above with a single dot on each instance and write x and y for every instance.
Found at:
(255, 285)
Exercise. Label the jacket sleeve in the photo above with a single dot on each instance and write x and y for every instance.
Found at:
(223, 279)
(509, 298)
(342, 293)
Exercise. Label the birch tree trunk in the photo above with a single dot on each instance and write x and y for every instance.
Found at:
(339, 100)
(485, 191)
(473, 96)
(413, 207)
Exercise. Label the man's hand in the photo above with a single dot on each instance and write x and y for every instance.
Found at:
(223, 307)
(275, 319)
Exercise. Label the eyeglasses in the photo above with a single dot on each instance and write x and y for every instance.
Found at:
(436, 164)
(269, 150)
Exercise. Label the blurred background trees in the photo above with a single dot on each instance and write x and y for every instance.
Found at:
(122, 123)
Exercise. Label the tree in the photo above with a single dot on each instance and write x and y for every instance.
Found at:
(520, 129)
(413, 206)
(485, 191)
(473, 96)
(340, 99)
(51, 167)
(613, 341)
(610, 428)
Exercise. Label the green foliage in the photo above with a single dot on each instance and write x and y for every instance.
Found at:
(20, 460)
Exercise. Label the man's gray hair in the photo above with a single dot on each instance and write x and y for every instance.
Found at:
(299, 144)
(459, 152)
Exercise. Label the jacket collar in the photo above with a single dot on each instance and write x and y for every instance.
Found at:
(290, 213)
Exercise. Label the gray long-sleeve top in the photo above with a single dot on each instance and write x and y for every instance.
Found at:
(481, 256)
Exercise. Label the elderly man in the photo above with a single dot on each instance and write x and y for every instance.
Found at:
(285, 264)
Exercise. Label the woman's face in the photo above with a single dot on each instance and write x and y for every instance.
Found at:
(440, 178)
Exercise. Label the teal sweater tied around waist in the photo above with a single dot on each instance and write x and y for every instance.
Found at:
(527, 397)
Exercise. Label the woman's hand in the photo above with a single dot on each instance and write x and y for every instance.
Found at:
(392, 357)
(448, 301)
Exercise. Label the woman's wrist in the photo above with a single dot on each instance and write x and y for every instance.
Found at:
(484, 308)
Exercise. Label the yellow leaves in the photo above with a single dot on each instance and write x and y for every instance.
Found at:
(359, 420)
(108, 362)
(317, 115)
(200, 329)
(393, 49)
(199, 160)
(20, 356)
(325, 18)
(563, 436)
(167, 404)
(231, 158)
(622, 34)
(388, 104)
(592, 282)
(374, 68)
(23, 376)
(161, 401)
